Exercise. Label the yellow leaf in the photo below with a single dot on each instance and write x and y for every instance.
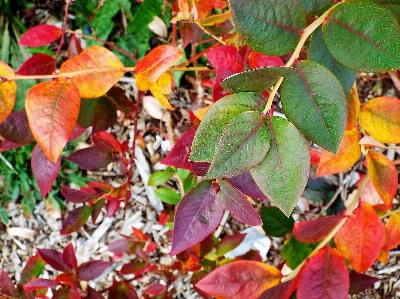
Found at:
(161, 88)
(199, 113)
(353, 108)
(7, 92)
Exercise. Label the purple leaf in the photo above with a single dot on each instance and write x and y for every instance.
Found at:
(236, 203)
(53, 258)
(105, 115)
(7, 145)
(93, 294)
(91, 158)
(6, 285)
(119, 246)
(15, 128)
(197, 215)
(44, 170)
(39, 283)
(69, 258)
(360, 282)
(200, 168)
(76, 196)
(92, 269)
(38, 64)
(78, 131)
(69, 292)
(245, 183)
(75, 220)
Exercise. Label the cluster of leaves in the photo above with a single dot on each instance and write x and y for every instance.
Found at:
(241, 147)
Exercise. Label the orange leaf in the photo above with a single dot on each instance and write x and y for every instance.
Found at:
(383, 176)
(203, 8)
(96, 83)
(161, 88)
(240, 279)
(7, 91)
(348, 154)
(361, 238)
(380, 117)
(200, 113)
(52, 109)
(393, 240)
(154, 64)
(353, 109)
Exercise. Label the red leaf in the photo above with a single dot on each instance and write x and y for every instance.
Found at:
(312, 231)
(75, 220)
(240, 279)
(93, 294)
(92, 269)
(281, 291)
(106, 142)
(315, 156)
(74, 47)
(324, 275)
(245, 183)
(44, 170)
(135, 267)
(91, 158)
(383, 174)
(139, 235)
(156, 289)
(76, 196)
(78, 131)
(360, 282)
(53, 258)
(112, 207)
(38, 64)
(40, 35)
(392, 227)
(122, 290)
(197, 215)
(16, 128)
(190, 33)
(236, 203)
(39, 283)
(33, 268)
(7, 145)
(69, 292)
(361, 238)
(119, 247)
(52, 108)
(6, 285)
(69, 258)
(257, 60)
(227, 61)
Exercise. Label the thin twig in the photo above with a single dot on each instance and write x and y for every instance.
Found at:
(64, 26)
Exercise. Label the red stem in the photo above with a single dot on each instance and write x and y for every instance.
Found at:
(64, 26)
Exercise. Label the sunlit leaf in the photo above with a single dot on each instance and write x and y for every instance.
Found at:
(392, 227)
(52, 108)
(240, 279)
(322, 274)
(353, 109)
(197, 215)
(269, 27)
(7, 92)
(363, 36)
(384, 176)
(379, 113)
(314, 101)
(44, 170)
(282, 174)
(218, 116)
(243, 144)
(257, 60)
(348, 154)
(361, 238)
(40, 35)
(96, 83)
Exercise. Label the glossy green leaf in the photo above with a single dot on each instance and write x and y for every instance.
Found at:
(316, 6)
(271, 27)
(218, 116)
(392, 5)
(364, 36)
(319, 53)
(275, 223)
(168, 196)
(159, 177)
(256, 80)
(314, 101)
(243, 144)
(294, 252)
(282, 175)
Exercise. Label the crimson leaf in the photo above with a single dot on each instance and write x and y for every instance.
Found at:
(92, 269)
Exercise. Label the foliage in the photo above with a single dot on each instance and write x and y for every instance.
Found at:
(240, 146)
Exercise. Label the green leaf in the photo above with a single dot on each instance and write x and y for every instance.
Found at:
(243, 144)
(182, 174)
(256, 80)
(217, 117)
(275, 223)
(317, 6)
(145, 14)
(282, 175)
(319, 53)
(392, 5)
(271, 27)
(168, 196)
(363, 36)
(295, 252)
(314, 101)
(159, 177)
